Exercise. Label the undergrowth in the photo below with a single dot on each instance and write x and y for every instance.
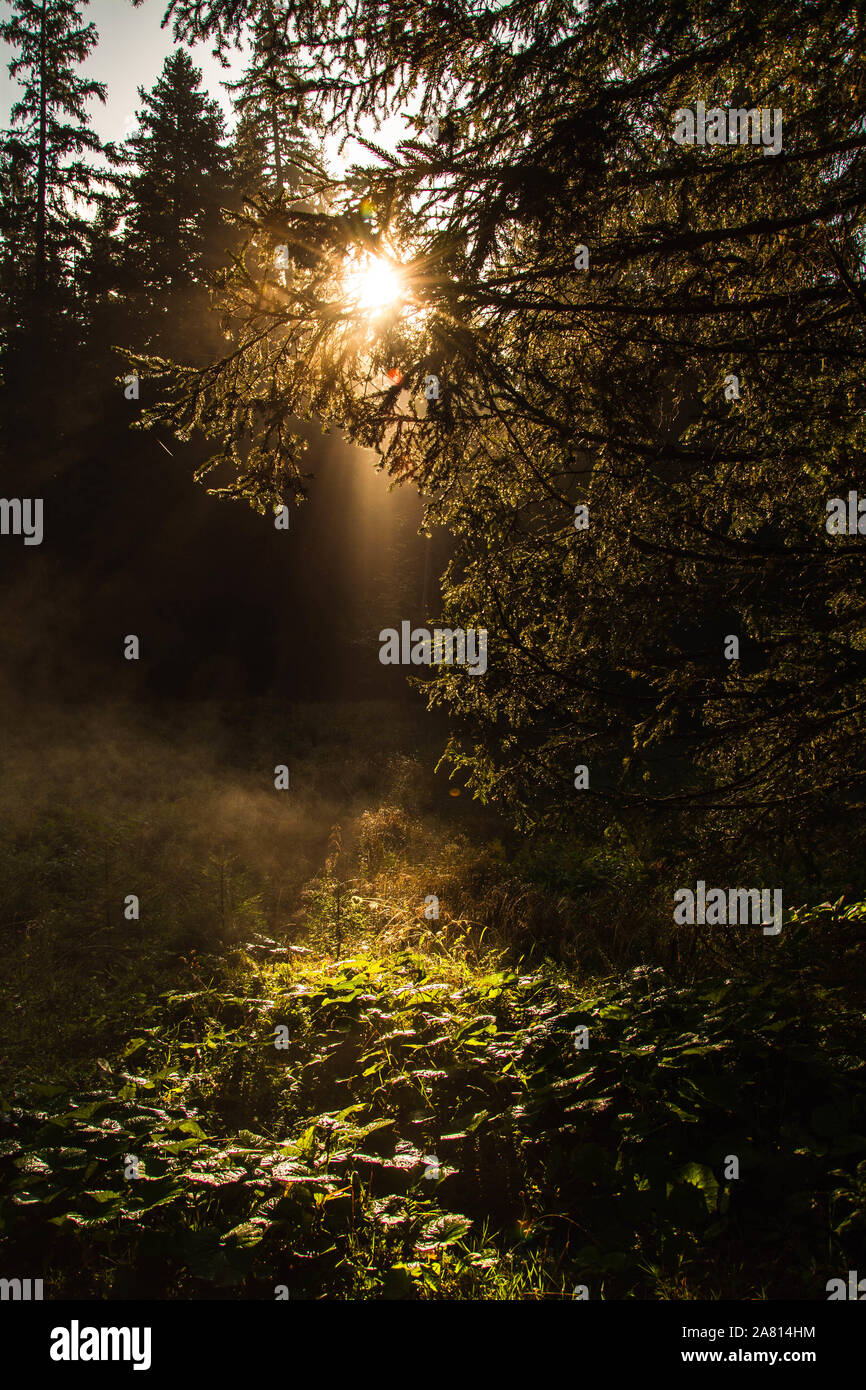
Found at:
(421, 1125)
(441, 1064)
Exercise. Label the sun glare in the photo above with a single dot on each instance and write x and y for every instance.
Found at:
(373, 285)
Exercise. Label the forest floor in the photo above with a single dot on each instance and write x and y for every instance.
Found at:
(310, 1087)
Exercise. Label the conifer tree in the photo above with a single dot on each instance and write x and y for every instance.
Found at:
(667, 334)
(273, 135)
(17, 222)
(50, 148)
(174, 234)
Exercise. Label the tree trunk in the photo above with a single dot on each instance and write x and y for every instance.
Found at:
(278, 154)
(42, 172)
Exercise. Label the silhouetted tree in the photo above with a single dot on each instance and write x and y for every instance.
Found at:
(174, 233)
(50, 175)
(272, 140)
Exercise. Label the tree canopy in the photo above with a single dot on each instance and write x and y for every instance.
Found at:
(669, 335)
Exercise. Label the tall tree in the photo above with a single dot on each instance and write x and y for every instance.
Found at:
(17, 221)
(51, 131)
(175, 232)
(273, 135)
(668, 334)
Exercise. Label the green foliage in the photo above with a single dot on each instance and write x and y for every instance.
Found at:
(432, 1131)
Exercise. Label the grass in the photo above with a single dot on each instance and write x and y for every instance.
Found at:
(292, 1081)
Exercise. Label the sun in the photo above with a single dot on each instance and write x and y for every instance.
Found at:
(373, 285)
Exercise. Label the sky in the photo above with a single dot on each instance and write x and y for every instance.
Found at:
(130, 54)
(131, 50)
